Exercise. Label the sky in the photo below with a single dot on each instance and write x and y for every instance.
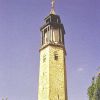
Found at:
(20, 22)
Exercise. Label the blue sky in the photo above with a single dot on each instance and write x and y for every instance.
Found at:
(20, 22)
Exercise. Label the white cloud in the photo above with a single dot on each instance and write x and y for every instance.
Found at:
(80, 69)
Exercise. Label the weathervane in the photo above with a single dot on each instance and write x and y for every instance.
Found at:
(52, 7)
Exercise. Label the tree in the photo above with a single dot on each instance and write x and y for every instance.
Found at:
(94, 89)
(97, 90)
(91, 90)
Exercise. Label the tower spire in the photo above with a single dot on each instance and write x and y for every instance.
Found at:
(52, 7)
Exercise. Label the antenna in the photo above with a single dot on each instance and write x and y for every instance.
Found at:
(52, 7)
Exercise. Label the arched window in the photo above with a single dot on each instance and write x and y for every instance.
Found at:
(56, 35)
(45, 35)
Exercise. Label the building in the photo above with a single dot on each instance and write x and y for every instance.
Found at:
(52, 75)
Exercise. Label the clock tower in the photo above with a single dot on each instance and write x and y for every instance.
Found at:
(52, 74)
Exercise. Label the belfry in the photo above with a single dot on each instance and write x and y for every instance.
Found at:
(52, 74)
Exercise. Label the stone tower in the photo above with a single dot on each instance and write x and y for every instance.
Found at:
(52, 75)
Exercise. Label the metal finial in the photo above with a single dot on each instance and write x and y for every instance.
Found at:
(52, 7)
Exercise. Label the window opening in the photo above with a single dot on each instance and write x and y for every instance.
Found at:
(45, 35)
(44, 58)
(58, 96)
(45, 30)
(55, 56)
(48, 20)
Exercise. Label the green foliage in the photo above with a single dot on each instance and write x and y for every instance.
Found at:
(94, 89)
(91, 90)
